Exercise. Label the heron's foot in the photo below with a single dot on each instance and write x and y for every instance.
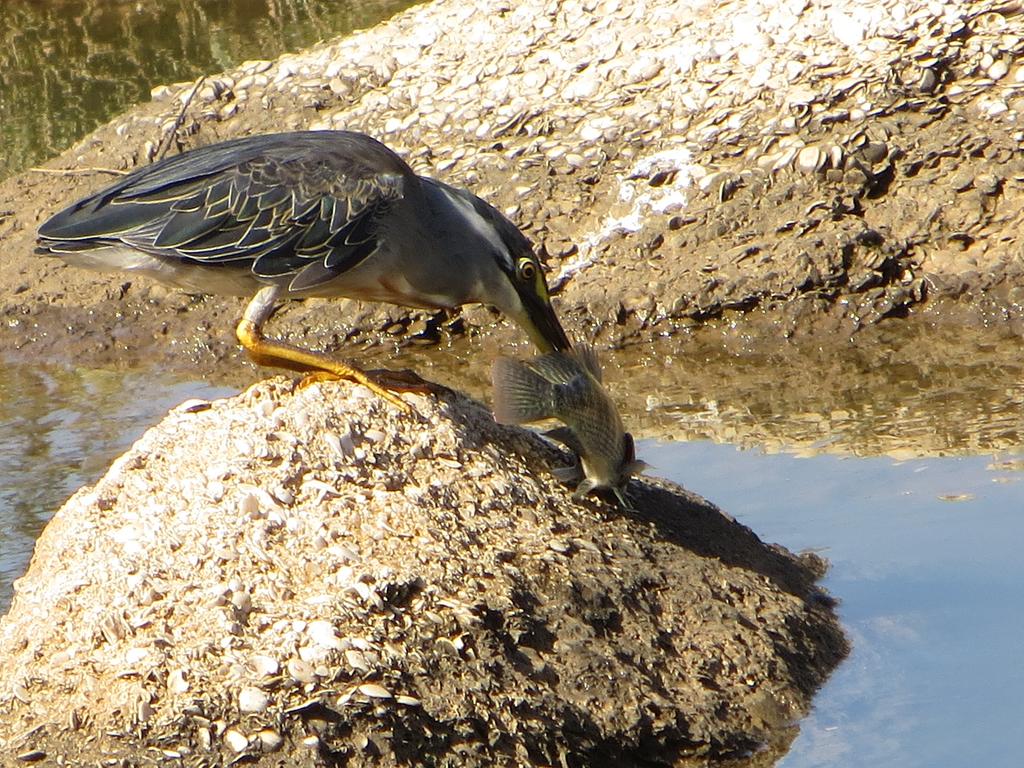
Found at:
(405, 380)
(389, 381)
(315, 378)
(320, 367)
(368, 379)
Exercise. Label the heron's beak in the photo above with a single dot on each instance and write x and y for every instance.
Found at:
(542, 324)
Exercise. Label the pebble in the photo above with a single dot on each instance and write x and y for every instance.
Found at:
(998, 70)
(301, 671)
(252, 700)
(356, 660)
(987, 183)
(176, 682)
(242, 601)
(257, 66)
(135, 655)
(810, 159)
(270, 740)
(322, 633)
(374, 691)
(235, 740)
(264, 666)
(205, 738)
(162, 93)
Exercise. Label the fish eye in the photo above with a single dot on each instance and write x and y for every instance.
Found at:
(527, 270)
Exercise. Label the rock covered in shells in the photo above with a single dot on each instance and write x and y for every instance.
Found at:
(457, 596)
(584, 71)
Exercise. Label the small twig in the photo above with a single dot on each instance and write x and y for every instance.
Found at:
(165, 143)
(74, 171)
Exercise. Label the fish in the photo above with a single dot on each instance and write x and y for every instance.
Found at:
(567, 386)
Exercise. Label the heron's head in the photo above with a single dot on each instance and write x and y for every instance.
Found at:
(512, 277)
(531, 308)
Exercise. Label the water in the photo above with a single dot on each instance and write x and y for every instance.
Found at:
(929, 588)
(66, 66)
(59, 430)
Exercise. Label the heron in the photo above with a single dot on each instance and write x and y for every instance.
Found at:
(308, 214)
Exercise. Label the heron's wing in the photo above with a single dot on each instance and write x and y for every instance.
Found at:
(302, 205)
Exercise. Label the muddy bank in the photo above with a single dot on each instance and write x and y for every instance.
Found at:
(346, 582)
(677, 162)
(906, 388)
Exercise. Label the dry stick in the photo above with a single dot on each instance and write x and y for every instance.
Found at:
(73, 171)
(165, 143)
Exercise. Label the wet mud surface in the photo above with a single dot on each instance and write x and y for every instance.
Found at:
(821, 215)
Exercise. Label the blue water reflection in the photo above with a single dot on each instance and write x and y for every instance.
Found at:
(926, 559)
(59, 429)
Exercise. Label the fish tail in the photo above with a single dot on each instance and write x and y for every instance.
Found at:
(520, 393)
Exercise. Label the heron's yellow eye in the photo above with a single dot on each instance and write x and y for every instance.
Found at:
(527, 270)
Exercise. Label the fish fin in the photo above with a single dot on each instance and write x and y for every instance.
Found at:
(566, 437)
(629, 448)
(636, 467)
(587, 357)
(558, 367)
(631, 465)
(619, 492)
(567, 474)
(521, 394)
(586, 486)
(623, 499)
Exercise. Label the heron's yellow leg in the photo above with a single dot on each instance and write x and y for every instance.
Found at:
(280, 355)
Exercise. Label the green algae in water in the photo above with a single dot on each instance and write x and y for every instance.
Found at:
(67, 66)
